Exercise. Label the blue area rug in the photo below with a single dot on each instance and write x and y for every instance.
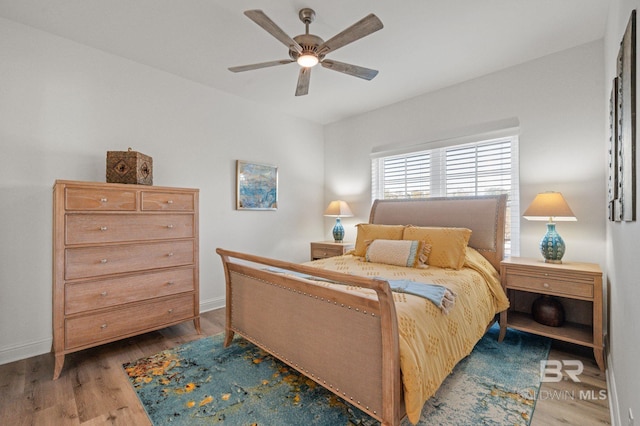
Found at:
(203, 383)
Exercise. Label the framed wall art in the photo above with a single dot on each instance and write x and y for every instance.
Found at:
(613, 197)
(257, 186)
(624, 206)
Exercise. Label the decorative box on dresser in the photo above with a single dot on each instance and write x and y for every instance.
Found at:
(125, 262)
(578, 286)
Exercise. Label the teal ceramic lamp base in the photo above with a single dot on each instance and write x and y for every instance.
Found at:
(338, 231)
(552, 245)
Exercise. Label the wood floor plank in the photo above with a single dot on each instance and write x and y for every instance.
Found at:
(12, 379)
(64, 413)
(93, 389)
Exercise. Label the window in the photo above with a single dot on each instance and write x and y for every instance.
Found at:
(480, 168)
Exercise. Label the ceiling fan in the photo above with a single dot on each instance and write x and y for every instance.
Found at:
(309, 50)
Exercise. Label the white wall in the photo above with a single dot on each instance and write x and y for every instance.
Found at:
(64, 105)
(622, 256)
(558, 102)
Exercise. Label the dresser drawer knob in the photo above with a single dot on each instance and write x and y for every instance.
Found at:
(170, 283)
(169, 201)
(170, 254)
(170, 226)
(104, 293)
(103, 228)
(103, 326)
(170, 311)
(545, 285)
(103, 261)
(103, 200)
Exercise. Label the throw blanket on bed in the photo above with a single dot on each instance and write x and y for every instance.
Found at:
(439, 295)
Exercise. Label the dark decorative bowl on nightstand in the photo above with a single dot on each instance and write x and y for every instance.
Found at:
(548, 310)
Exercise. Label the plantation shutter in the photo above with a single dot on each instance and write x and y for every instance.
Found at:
(479, 168)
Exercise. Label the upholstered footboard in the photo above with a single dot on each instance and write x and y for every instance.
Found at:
(346, 342)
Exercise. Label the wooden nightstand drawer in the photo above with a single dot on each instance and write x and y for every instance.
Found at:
(324, 249)
(322, 252)
(550, 285)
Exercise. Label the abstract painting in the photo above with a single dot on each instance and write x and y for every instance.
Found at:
(257, 186)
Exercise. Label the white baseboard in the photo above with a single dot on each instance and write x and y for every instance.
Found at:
(211, 304)
(39, 347)
(613, 394)
(25, 350)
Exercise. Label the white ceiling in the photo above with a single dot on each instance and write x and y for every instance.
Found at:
(424, 45)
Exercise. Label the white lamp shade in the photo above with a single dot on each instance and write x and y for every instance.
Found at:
(338, 208)
(549, 206)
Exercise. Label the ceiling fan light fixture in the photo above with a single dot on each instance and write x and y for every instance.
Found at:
(307, 60)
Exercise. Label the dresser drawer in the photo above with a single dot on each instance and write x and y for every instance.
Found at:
(175, 201)
(91, 295)
(110, 325)
(92, 199)
(85, 262)
(109, 228)
(551, 285)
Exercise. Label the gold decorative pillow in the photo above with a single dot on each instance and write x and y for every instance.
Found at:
(448, 245)
(412, 254)
(370, 232)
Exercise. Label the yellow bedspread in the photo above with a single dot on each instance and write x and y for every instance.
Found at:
(432, 343)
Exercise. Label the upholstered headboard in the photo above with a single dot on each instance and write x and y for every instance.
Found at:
(484, 215)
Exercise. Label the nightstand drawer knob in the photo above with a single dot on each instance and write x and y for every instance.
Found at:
(103, 261)
(103, 228)
(103, 294)
(545, 285)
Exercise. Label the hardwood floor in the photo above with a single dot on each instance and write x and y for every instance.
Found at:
(93, 390)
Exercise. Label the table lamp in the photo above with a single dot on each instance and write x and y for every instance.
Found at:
(338, 209)
(550, 206)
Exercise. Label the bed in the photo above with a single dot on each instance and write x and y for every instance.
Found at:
(338, 322)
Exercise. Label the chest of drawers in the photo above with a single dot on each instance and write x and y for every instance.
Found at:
(125, 262)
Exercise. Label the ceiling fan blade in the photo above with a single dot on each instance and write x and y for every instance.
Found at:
(260, 65)
(272, 28)
(354, 70)
(303, 81)
(367, 25)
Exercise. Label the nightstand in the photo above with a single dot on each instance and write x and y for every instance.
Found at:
(578, 286)
(324, 249)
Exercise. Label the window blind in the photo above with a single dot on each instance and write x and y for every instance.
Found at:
(479, 168)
